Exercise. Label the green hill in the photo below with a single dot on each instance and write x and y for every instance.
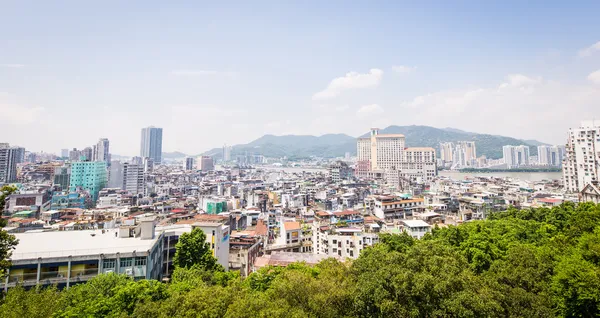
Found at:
(336, 145)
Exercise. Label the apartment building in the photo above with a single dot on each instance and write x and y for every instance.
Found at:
(9, 157)
(390, 208)
(582, 156)
(90, 176)
(515, 156)
(343, 242)
(134, 178)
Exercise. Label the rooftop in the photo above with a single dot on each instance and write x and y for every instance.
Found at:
(415, 223)
(291, 226)
(36, 244)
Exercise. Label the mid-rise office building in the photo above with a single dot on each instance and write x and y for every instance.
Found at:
(151, 144)
(88, 175)
(9, 157)
(582, 156)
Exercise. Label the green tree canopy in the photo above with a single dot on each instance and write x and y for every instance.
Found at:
(193, 250)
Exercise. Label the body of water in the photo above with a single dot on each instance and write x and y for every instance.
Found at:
(526, 176)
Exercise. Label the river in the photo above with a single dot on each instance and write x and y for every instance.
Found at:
(525, 176)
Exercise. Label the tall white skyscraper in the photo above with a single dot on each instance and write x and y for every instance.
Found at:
(102, 152)
(464, 155)
(151, 144)
(582, 156)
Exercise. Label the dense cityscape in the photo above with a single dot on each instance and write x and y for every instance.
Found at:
(295, 159)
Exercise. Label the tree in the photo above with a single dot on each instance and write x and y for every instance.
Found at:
(192, 249)
(7, 241)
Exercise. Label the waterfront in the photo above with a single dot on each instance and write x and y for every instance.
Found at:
(525, 176)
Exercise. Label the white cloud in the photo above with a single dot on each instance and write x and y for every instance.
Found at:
(371, 109)
(594, 77)
(588, 51)
(403, 69)
(191, 73)
(352, 80)
(520, 106)
(12, 65)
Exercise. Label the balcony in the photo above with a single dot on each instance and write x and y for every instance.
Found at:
(51, 278)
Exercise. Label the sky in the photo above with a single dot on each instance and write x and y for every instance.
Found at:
(225, 72)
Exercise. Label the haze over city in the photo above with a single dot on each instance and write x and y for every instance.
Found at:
(211, 74)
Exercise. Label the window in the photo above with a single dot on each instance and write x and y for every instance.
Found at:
(109, 263)
(126, 262)
(213, 232)
(140, 261)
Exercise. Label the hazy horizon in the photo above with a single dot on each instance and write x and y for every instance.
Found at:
(211, 73)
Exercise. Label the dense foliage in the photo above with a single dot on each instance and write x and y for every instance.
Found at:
(520, 263)
(7, 241)
(193, 250)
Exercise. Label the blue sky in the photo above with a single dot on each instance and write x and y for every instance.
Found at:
(211, 73)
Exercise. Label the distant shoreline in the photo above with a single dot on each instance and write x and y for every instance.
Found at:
(503, 170)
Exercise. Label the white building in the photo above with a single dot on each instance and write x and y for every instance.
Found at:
(381, 151)
(386, 153)
(151, 144)
(415, 228)
(446, 151)
(551, 155)
(345, 242)
(115, 175)
(133, 178)
(515, 156)
(582, 156)
(465, 154)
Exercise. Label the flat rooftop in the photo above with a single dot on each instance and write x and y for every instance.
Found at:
(35, 244)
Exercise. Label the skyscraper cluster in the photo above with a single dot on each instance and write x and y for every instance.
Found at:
(515, 156)
(551, 155)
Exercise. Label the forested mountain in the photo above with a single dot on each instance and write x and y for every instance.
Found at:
(519, 263)
(336, 145)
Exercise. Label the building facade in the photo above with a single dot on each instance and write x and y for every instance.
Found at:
(151, 144)
(582, 156)
(88, 175)
(189, 163)
(133, 178)
(206, 163)
(8, 163)
(102, 151)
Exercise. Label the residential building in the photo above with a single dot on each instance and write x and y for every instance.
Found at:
(102, 152)
(446, 151)
(226, 153)
(40, 259)
(343, 242)
(339, 171)
(115, 175)
(66, 200)
(8, 163)
(415, 228)
(88, 175)
(206, 163)
(64, 153)
(74, 155)
(133, 178)
(551, 155)
(62, 176)
(87, 154)
(189, 163)
(151, 144)
(389, 208)
(582, 156)
(464, 155)
(38, 201)
(515, 156)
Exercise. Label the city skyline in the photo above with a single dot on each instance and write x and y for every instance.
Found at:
(345, 71)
